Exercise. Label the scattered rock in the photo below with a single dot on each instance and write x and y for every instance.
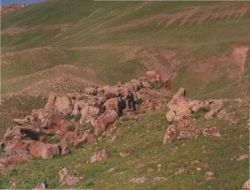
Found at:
(66, 177)
(159, 179)
(111, 170)
(125, 153)
(209, 175)
(211, 132)
(198, 169)
(99, 156)
(170, 134)
(188, 133)
(138, 180)
(246, 185)
(40, 186)
(180, 171)
(195, 162)
(240, 157)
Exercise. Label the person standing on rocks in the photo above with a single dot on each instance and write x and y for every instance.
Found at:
(121, 105)
(131, 101)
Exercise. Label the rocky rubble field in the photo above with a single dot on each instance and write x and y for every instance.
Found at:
(75, 119)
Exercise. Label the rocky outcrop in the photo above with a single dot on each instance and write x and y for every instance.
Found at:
(74, 119)
(180, 116)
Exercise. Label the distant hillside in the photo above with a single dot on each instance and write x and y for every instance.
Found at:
(63, 45)
(10, 7)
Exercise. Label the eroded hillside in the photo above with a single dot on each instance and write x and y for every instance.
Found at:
(104, 42)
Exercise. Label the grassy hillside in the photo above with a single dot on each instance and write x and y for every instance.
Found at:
(108, 42)
(148, 158)
(66, 45)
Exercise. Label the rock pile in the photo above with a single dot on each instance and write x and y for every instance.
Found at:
(183, 125)
(74, 119)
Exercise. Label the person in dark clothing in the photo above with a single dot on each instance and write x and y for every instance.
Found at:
(131, 101)
(121, 105)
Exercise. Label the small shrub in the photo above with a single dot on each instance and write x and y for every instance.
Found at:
(200, 113)
(72, 128)
(139, 101)
(1, 151)
(78, 117)
(157, 85)
(88, 128)
(53, 139)
(90, 183)
(125, 119)
(68, 117)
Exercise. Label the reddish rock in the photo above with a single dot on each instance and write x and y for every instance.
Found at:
(98, 156)
(138, 180)
(91, 91)
(159, 179)
(43, 150)
(153, 76)
(240, 157)
(63, 105)
(124, 153)
(66, 177)
(170, 134)
(101, 123)
(188, 133)
(212, 132)
(209, 175)
(40, 186)
(246, 185)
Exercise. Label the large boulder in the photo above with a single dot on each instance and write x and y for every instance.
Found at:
(43, 116)
(101, 123)
(12, 133)
(63, 105)
(180, 107)
(110, 104)
(49, 106)
(15, 152)
(88, 113)
(78, 106)
(44, 150)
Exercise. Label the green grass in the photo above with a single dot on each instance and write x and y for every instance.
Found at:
(143, 137)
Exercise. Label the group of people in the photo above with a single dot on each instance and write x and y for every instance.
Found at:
(122, 102)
